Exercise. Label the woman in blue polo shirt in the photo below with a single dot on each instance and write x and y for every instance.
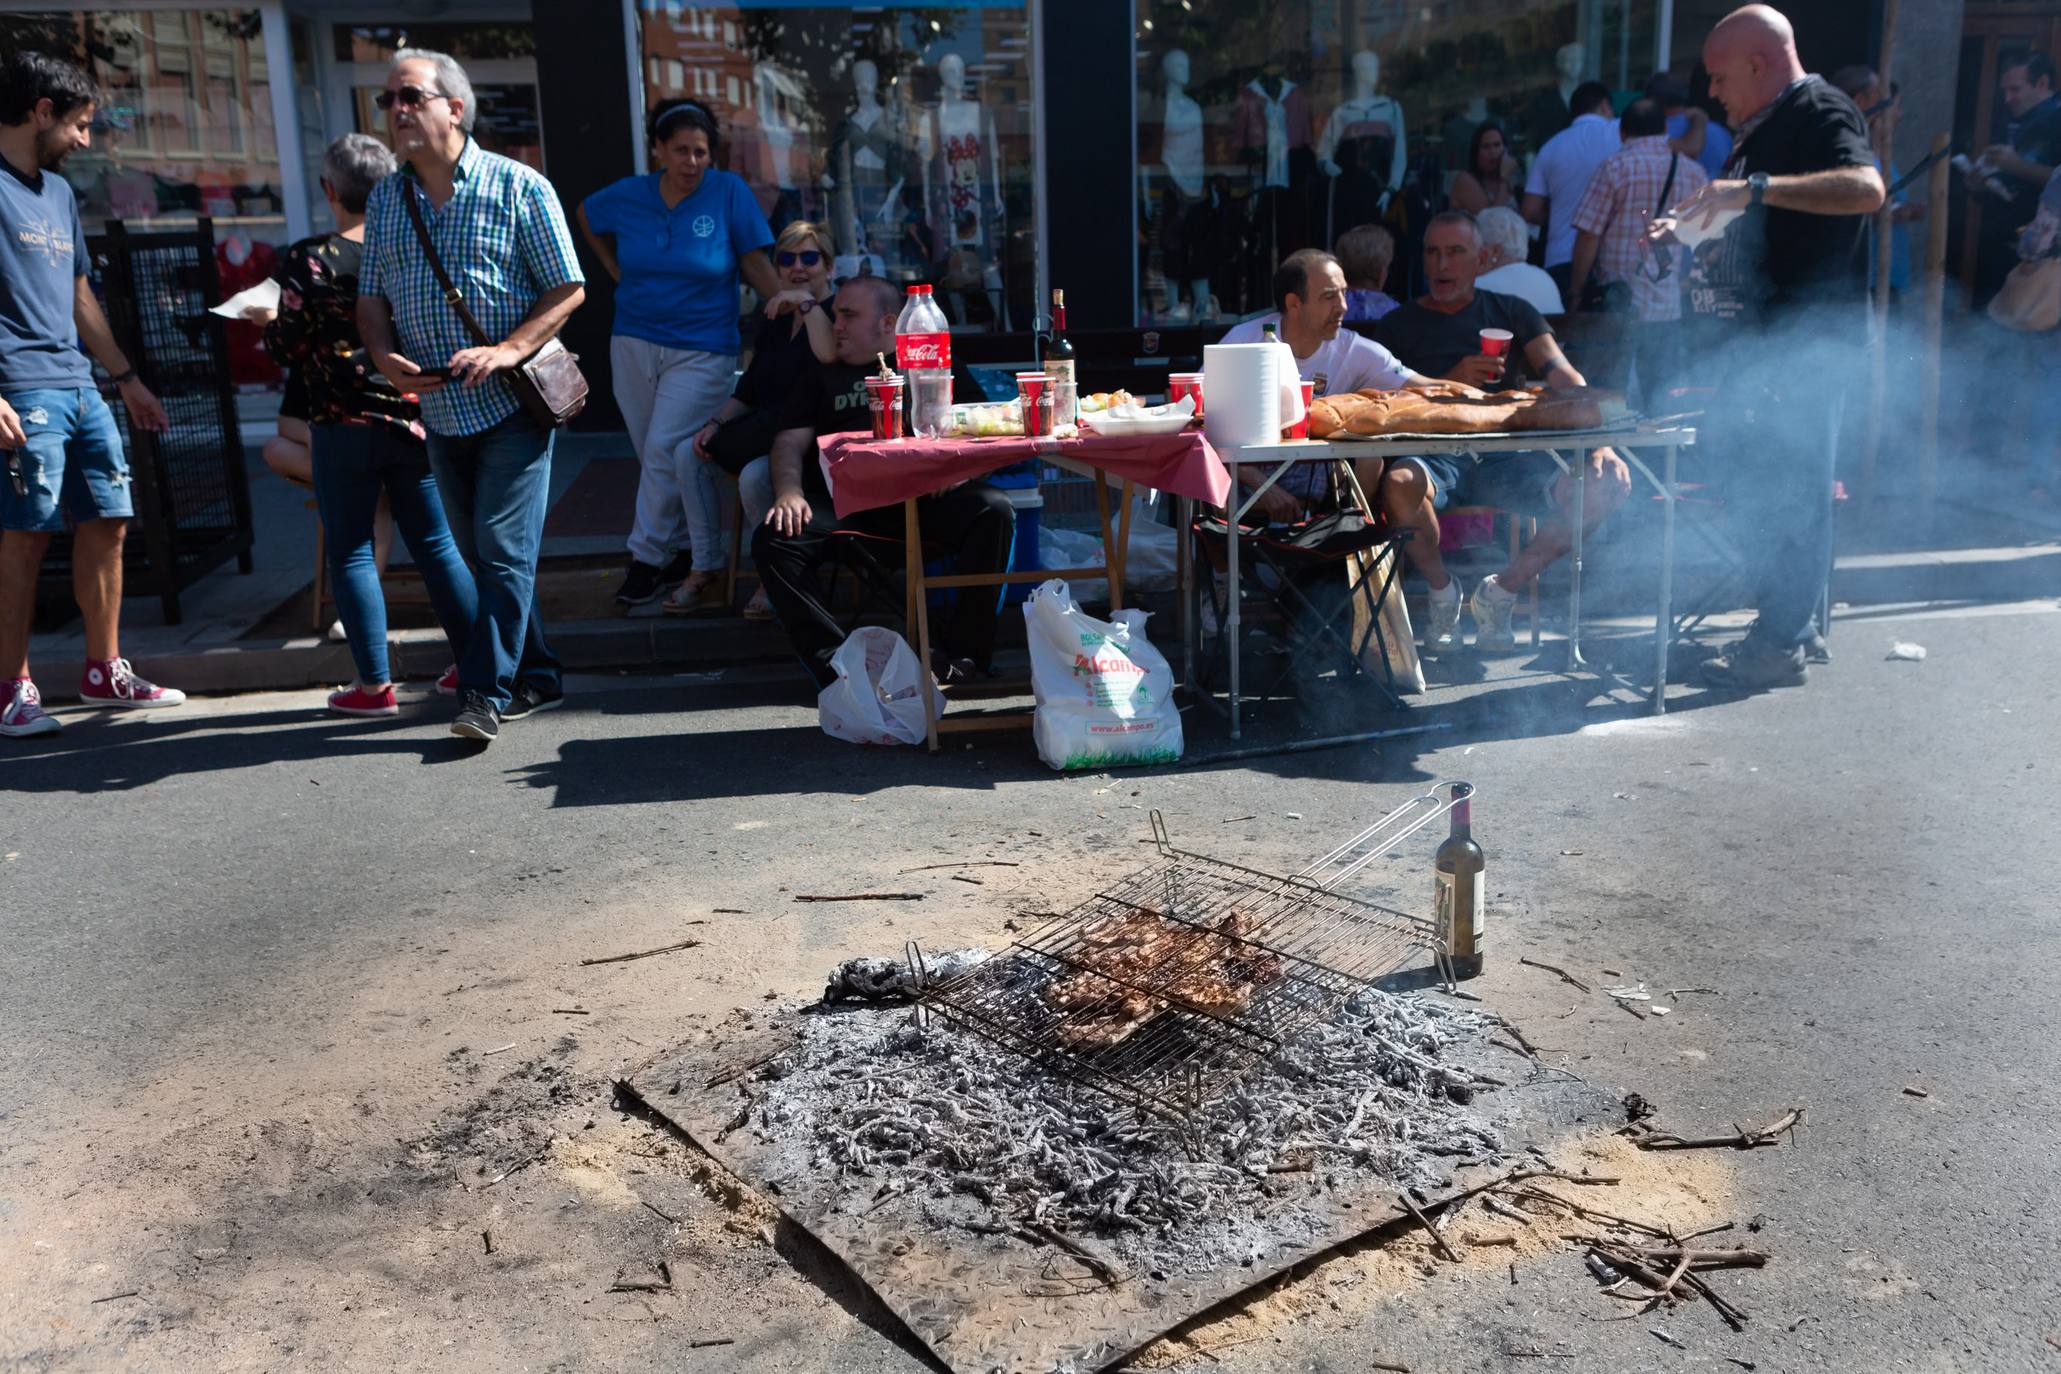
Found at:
(676, 241)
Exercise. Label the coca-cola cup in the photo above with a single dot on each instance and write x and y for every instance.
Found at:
(1034, 393)
(1495, 343)
(884, 398)
(1301, 428)
(1185, 384)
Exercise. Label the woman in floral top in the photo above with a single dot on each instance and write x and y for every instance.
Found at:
(367, 437)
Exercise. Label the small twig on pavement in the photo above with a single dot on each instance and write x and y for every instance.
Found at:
(114, 1297)
(708, 1341)
(640, 954)
(499, 1050)
(1565, 976)
(570, 1011)
(1910, 1091)
(1667, 1338)
(863, 897)
(1631, 1007)
(1744, 1140)
(1037, 1230)
(666, 1215)
(1437, 1240)
(514, 1169)
(974, 863)
(963, 878)
(1677, 992)
(486, 1238)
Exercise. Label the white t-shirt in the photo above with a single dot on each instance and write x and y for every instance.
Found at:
(1346, 363)
(1527, 283)
(1561, 174)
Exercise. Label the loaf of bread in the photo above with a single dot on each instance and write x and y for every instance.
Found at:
(1450, 408)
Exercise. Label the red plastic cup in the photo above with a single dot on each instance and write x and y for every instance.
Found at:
(884, 397)
(1033, 392)
(1185, 384)
(1301, 428)
(1496, 342)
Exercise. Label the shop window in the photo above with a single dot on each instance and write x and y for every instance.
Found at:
(1262, 129)
(905, 132)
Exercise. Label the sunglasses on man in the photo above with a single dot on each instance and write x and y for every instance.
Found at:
(408, 98)
(808, 257)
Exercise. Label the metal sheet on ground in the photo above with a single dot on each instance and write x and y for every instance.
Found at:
(986, 1303)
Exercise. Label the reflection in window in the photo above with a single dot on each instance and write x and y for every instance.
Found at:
(907, 132)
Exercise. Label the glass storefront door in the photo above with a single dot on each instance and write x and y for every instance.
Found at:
(905, 130)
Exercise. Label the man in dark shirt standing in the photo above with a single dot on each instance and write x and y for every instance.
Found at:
(1786, 284)
(973, 521)
(2022, 163)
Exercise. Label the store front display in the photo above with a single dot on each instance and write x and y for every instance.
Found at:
(906, 131)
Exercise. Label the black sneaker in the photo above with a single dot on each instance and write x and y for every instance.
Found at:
(476, 719)
(1750, 666)
(641, 584)
(530, 697)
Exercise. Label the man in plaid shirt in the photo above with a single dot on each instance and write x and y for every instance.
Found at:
(1638, 182)
(502, 237)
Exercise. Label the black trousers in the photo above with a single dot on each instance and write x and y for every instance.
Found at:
(974, 524)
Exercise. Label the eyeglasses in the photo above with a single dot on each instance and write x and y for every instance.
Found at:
(408, 98)
(808, 257)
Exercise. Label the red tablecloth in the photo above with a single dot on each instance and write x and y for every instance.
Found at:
(864, 474)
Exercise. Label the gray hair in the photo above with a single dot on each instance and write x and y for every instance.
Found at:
(451, 79)
(354, 165)
(1501, 227)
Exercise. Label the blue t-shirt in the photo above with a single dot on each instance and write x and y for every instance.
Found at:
(679, 285)
(1717, 143)
(45, 253)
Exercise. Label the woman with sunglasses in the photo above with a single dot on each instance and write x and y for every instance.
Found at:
(793, 340)
(676, 241)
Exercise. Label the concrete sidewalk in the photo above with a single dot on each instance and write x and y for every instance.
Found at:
(252, 632)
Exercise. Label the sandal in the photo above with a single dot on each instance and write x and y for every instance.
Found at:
(758, 608)
(693, 599)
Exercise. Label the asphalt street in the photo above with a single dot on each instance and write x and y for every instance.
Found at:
(283, 994)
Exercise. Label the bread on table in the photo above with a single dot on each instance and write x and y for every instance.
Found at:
(1455, 409)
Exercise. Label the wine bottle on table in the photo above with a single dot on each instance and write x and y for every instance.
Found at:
(1059, 367)
(1460, 866)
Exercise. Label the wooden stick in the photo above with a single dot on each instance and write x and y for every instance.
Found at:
(114, 1297)
(706, 1342)
(1437, 1240)
(975, 863)
(864, 897)
(640, 954)
(1565, 976)
(1744, 1140)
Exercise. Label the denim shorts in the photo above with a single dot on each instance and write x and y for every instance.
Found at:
(1521, 483)
(73, 463)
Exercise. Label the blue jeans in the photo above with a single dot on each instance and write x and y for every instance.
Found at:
(73, 461)
(354, 464)
(496, 485)
(1775, 432)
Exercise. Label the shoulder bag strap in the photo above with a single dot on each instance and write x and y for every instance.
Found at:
(1667, 188)
(452, 294)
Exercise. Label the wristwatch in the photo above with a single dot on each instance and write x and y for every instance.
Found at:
(124, 377)
(808, 304)
(1758, 185)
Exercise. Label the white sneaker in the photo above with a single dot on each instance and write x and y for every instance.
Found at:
(23, 715)
(1493, 607)
(1442, 621)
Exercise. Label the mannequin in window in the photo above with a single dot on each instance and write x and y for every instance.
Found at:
(865, 175)
(785, 157)
(1175, 196)
(1363, 151)
(1547, 113)
(1271, 130)
(963, 179)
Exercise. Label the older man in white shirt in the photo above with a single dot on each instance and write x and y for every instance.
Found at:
(1560, 176)
(1504, 243)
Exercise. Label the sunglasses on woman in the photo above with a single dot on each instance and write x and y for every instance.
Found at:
(808, 257)
(408, 98)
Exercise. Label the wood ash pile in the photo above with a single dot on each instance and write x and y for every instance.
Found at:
(942, 1128)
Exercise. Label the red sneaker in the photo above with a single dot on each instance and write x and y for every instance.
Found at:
(358, 700)
(115, 684)
(447, 685)
(22, 713)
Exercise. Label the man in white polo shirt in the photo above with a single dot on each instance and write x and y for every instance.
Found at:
(1309, 288)
(1560, 177)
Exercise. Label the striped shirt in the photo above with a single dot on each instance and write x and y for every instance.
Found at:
(1622, 199)
(503, 239)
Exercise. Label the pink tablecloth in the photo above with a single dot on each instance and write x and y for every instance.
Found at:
(864, 474)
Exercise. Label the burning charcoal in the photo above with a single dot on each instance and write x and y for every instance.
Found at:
(888, 980)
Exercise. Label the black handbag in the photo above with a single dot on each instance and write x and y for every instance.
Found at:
(741, 439)
(1615, 298)
(548, 384)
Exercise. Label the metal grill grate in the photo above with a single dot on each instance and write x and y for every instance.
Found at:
(1187, 975)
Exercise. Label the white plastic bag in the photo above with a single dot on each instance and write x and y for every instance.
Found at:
(1105, 695)
(874, 700)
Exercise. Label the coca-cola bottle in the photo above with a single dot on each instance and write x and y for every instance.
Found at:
(923, 351)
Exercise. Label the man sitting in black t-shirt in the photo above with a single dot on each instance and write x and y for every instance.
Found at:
(1439, 335)
(973, 522)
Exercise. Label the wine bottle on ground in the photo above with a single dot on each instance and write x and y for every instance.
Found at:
(1460, 867)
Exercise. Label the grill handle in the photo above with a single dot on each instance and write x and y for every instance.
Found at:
(1379, 838)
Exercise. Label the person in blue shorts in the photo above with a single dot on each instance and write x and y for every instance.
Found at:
(58, 440)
